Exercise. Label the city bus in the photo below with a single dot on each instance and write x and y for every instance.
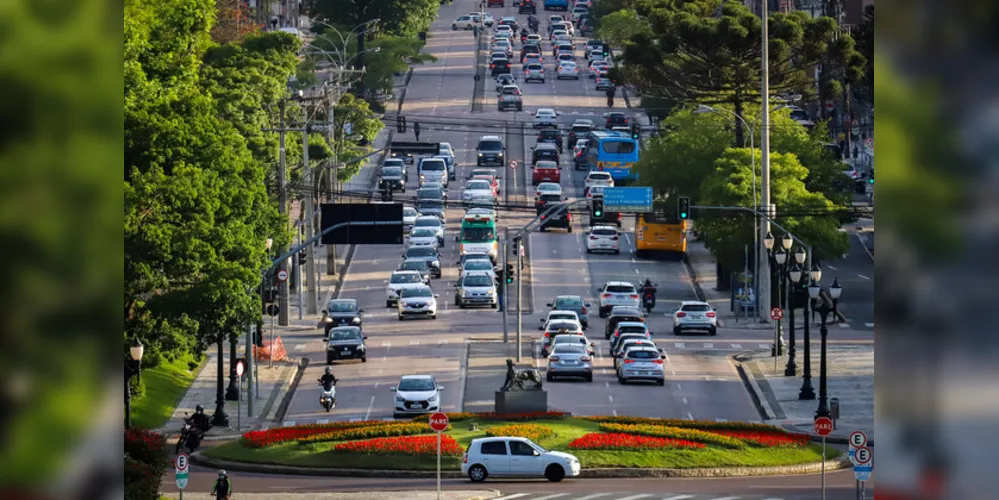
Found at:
(613, 152)
(660, 230)
(478, 235)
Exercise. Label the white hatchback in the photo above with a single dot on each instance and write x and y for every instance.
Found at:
(598, 179)
(422, 237)
(617, 293)
(603, 239)
(517, 457)
(546, 117)
(567, 69)
(547, 188)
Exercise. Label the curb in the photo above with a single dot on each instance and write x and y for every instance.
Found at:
(290, 392)
(464, 377)
(758, 402)
(810, 468)
(693, 279)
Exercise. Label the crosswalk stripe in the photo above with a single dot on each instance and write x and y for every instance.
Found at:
(549, 497)
(634, 497)
(511, 497)
(288, 423)
(736, 346)
(323, 421)
(680, 345)
(728, 498)
(844, 325)
(591, 497)
(679, 497)
(709, 346)
(443, 341)
(414, 342)
(869, 325)
(300, 347)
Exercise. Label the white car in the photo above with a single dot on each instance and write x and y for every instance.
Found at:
(548, 188)
(401, 280)
(433, 222)
(575, 340)
(503, 29)
(546, 117)
(695, 315)
(422, 237)
(604, 239)
(416, 395)
(558, 33)
(477, 266)
(417, 301)
(595, 178)
(617, 293)
(567, 69)
(503, 45)
(597, 190)
(515, 457)
(561, 316)
(476, 289)
(596, 67)
(409, 215)
(476, 188)
(536, 72)
(463, 23)
(578, 149)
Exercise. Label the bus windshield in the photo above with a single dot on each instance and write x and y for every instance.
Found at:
(477, 234)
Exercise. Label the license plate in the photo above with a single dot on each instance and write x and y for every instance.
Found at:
(345, 349)
(697, 316)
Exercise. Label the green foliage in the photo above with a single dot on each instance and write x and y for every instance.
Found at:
(810, 215)
(397, 17)
(363, 123)
(394, 55)
(146, 460)
(618, 28)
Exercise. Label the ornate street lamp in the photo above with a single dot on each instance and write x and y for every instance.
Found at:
(133, 368)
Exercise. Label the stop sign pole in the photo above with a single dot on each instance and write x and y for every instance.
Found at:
(438, 422)
(823, 426)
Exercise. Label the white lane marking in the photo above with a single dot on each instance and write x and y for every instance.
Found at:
(376, 384)
(444, 341)
(844, 325)
(323, 421)
(721, 420)
(736, 346)
(549, 497)
(764, 346)
(387, 345)
(288, 423)
(300, 347)
(709, 346)
(679, 497)
(672, 371)
(371, 404)
(384, 358)
(685, 401)
(636, 271)
(614, 412)
(511, 497)
(635, 497)
(666, 355)
(728, 498)
(591, 497)
(863, 277)
(611, 398)
(414, 342)
(680, 345)
(869, 325)
(832, 267)
(690, 416)
(607, 385)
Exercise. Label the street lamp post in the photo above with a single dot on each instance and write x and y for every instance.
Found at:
(825, 307)
(133, 368)
(794, 274)
(220, 418)
(778, 273)
(807, 392)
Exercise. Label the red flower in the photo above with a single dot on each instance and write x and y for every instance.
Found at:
(618, 441)
(260, 439)
(769, 439)
(403, 445)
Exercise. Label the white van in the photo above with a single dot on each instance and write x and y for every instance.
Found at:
(516, 457)
(433, 170)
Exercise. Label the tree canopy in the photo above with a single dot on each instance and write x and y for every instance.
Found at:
(397, 17)
(809, 216)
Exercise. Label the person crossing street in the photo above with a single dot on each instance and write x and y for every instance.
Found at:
(416, 130)
(223, 487)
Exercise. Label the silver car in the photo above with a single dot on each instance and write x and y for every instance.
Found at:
(418, 301)
(629, 342)
(432, 222)
(642, 363)
(423, 237)
(578, 340)
(476, 289)
(569, 360)
(401, 280)
(409, 215)
(695, 315)
(477, 266)
(617, 293)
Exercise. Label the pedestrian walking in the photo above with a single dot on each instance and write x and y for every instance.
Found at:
(223, 487)
(416, 130)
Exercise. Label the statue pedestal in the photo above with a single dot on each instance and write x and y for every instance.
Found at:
(521, 402)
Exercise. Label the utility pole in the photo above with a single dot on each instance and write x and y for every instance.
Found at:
(764, 296)
(502, 282)
(331, 139)
(311, 304)
(520, 298)
(283, 210)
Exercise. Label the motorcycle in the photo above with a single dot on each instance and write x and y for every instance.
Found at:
(328, 397)
(190, 436)
(648, 301)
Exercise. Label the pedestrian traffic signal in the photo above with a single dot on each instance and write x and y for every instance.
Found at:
(302, 258)
(683, 207)
(270, 295)
(597, 209)
(400, 125)
(636, 131)
(509, 273)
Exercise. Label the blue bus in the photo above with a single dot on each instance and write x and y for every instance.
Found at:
(612, 152)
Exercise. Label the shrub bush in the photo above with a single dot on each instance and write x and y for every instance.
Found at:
(695, 435)
(146, 459)
(534, 432)
(278, 435)
(375, 431)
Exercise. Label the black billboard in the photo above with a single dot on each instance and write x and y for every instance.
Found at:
(336, 213)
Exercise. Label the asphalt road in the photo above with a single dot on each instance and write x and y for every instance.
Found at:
(855, 272)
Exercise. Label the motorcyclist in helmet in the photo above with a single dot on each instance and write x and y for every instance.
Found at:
(199, 420)
(328, 380)
(523, 34)
(648, 287)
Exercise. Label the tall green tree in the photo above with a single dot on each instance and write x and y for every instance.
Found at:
(709, 51)
(809, 216)
(619, 27)
(353, 121)
(397, 17)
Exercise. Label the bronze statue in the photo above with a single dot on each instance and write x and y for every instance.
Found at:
(524, 380)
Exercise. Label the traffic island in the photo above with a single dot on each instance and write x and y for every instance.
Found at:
(606, 447)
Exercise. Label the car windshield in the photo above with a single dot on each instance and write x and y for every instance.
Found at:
(479, 185)
(695, 308)
(428, 222)
(643, 354)
(345, 334)
(478, 265)
(477, 281)
(423, 233)
(392, 171)
(414, 265)
(393, 162)
(342, 306)
(618, 147)
(406, 278)
(569, 349)
(421, 252)
(409, 212)
(546, 165)
(433, 165)
(417, 292)
(490, 146)
(569, 302)
(416, 384)
(477, 234)
(620, 289)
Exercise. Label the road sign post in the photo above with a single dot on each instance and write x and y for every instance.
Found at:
(776, 314)
(438, 423)
(823, 426)
(180, 472)
(239, 392)
(863, 468)
(857, 440)
(282, 275)
(628, 199)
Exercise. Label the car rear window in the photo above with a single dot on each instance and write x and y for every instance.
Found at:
(421, 252)
(565, 348)
(534, 67)
(605, 232)
(632, 329)
(695, 308)
(620, 289)
(643, 354)
(569, 302)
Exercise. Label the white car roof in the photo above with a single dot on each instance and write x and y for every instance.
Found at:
(694, 303)
(593, 175)
(560, 312)
(546, 111)
(427, 217)
(618, 283)
(405, 273)
(612, 228)
(416, 377)
(489, 138)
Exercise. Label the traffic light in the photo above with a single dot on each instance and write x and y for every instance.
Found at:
(302, 258)
(636, 131)
(597, 208)
(400, 125)
(270, 295)
(509, 273)
(683, 207)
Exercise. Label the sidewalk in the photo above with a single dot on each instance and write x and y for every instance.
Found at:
(368, 495)
(703, 272)
(850, 377)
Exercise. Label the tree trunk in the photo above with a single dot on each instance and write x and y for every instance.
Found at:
(740, 133)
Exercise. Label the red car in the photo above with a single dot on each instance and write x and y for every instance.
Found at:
(546, 171)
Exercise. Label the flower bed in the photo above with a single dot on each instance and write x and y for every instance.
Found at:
(697, 436)
(495, 417)
(772, 439)
(534, 432)
(373, 431)
(403, 445)
(686, 424)
(628, 442)
(278, 435)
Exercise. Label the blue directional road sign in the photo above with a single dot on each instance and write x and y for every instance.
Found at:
(863, 472)
(628, 199)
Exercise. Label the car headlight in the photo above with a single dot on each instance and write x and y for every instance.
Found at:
(491, 292)
(480, 154)
(400, 399)
(356, 321)
(361, 348)
(434, 397)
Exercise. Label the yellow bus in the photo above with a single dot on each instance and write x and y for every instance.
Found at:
(660, 230)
